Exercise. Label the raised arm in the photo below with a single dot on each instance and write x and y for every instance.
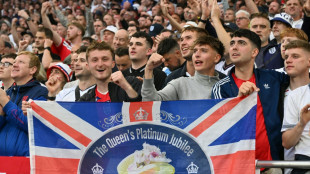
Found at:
(223, 36)
(306, 24)
(62, 19)
(46, 6)
(149, 92)
(32, 26)
(173, 22)
(89, 22)
(119, 79)
(47, 55)
(205, 14)
(14, 32)
(251, 6)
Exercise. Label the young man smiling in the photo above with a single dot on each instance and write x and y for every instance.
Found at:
(110, 87)
(207, 52)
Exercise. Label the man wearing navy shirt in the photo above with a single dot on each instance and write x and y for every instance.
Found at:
(13, 123)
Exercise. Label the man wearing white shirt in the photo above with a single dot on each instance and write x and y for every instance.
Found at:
(295, 129)
(294, 8)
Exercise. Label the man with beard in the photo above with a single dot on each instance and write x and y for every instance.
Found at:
(294, 8)
(75, 33)
(98, 26)
(274, 8)
(86, 80)
(260, 24)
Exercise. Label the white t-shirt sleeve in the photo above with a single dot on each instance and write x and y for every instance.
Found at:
(291, 112)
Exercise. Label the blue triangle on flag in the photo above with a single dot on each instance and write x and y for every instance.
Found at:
(46, 137)
(180, 114)
(244, 129)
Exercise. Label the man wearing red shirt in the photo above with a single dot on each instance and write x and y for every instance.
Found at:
(244, 79)
(75, 33)
(110, 87)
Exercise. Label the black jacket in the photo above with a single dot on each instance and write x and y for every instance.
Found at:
(159, 76)
(117, 94)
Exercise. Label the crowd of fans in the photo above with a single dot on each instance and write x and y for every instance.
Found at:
(148, 50)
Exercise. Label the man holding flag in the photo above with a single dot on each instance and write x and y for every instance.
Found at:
(13, 123)
(243, 80)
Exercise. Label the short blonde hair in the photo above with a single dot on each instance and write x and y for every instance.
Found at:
(34, 60)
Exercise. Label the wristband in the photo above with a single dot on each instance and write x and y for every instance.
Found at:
(47, 48)
(203, 21)
(50, 98)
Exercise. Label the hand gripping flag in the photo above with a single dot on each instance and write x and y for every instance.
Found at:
(198, 136)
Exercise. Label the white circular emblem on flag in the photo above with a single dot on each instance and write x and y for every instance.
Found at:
(145, 147)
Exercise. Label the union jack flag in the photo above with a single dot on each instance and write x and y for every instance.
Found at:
(62, 133)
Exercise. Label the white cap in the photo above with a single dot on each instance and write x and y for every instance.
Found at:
(283, 17)
(190, 23)
(111, 28)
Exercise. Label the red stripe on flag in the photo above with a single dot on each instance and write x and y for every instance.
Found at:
(214, 117)
(13, 165)
(61, 125)
(49, 165)
(236, 163)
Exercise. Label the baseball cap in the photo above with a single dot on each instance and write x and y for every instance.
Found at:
(283, 17)
(155, 29)
(26, 32)
(190, 23)
(64, 68)
(110, 28)
(6, 22)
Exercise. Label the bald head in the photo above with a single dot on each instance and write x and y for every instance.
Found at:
(121, 39)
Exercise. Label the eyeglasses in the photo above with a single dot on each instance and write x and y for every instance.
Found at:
(187, 12)
(5, 64)
(241, 18)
